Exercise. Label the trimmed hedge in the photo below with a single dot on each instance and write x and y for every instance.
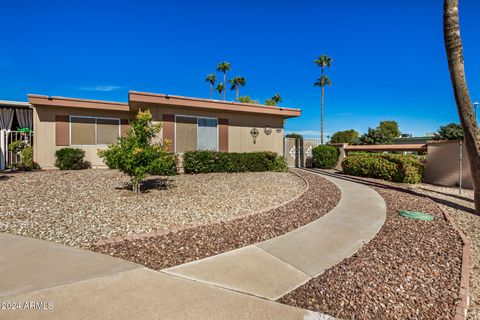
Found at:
(71, 159)
(325, 157)
(212, 161)
(404, 168)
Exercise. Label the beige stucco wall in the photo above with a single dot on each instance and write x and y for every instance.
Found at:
(239, 127)
(239, 137)
(443, 165)
(44, 133)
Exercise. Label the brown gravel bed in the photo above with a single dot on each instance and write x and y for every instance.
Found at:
(79, 208)
(410, 270)
(462, 209)
(181, 246)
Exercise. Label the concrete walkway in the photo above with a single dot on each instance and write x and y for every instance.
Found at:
(52, 281)
(43, 280)
(273, 268)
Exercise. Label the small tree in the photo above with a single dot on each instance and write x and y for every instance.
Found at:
(383, 134)
(348, 136)
(135, 154)
(451, 131)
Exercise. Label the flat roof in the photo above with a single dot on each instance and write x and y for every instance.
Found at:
(137, 100)
(42, 100)
(10, 103)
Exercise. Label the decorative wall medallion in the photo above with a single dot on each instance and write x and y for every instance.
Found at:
(308, 153)
(267, 130)
(293, 152)
(254, 134)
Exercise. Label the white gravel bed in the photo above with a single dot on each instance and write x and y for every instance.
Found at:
(79, 208)
(461, 208)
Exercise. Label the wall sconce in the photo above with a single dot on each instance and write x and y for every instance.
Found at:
(267, 130)
(254, 134)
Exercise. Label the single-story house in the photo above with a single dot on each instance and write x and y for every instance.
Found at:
(189, 123)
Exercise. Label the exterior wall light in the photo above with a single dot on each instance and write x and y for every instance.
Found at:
(254, 134)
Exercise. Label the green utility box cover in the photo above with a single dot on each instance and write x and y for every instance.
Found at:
(415, 215)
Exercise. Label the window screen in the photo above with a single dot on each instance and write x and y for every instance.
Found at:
(107, 131)
(82, 131)
(185, 134)
(207, 134)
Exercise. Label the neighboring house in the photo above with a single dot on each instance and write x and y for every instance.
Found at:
(14, 116)
(409, 139)
(189, 123)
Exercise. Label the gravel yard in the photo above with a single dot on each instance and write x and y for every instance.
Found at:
(181, 246)
(79, 208)
(410, 270)
(461, 208)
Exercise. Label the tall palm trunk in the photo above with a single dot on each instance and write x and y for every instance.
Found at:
(211, 91)
(321, 115)
(225, 84)
(453, 46)
(322, 107)
(236, 93)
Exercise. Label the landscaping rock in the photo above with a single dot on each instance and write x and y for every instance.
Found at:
(160, 251)
(410, 270)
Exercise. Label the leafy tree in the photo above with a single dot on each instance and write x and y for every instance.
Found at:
(269, 102)
(247, 99)
(236, 83)
(136, 155)
(454, 49)
(220, 88)
(451, 131)
(224, 67)
(276, 99)
(383, 134)
(293, 135)
(211, 78)
(323, 62)
(347, 136)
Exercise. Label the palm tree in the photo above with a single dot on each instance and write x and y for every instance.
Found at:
(323, 61)
(211, 78)
(224, 67)
(220, 88)
(453, 46)
(277, 99)
(237, 82)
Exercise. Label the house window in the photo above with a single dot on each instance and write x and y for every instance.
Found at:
(195, 133)
(93, 131)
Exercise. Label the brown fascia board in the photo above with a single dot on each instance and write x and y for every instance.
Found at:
(135, 97)
(41, 100)
(387, 147)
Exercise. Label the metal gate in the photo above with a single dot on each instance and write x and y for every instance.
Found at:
(298, 151)
(10, 157)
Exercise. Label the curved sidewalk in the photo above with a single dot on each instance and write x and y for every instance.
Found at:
(273, 268)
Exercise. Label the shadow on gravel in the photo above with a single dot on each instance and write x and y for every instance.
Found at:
(150, 184)
(400, 189)
(5, 178)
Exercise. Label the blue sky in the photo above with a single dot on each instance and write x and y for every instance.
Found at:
(389, 59)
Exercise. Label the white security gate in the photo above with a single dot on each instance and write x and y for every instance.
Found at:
(298, 151)
(11, 157)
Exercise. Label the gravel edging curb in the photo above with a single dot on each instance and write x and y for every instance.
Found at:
(164, 232)
(464, 293)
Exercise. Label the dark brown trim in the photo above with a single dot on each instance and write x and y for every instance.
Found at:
(124, 127)
(62, 132)
(223, 135)
(169, 130)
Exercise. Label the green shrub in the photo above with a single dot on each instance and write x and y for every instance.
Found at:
(404, 168)
(25, 151)
(325, 157)
(71, 159)
(136, 155)
(212, 161)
